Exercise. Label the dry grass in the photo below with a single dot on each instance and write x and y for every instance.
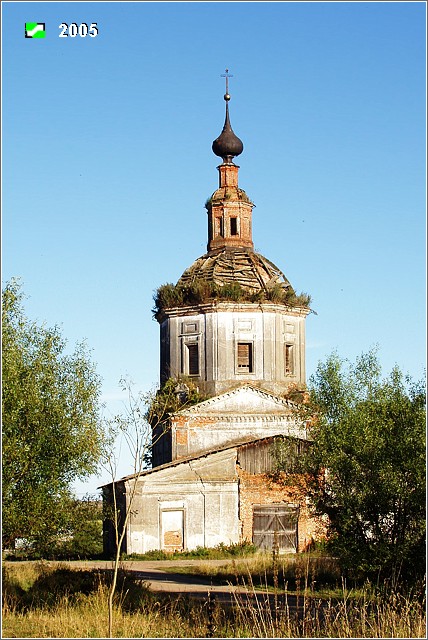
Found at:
(42, 601)
(398, 617)
(88, 616)
(65, 612)
(292, 572)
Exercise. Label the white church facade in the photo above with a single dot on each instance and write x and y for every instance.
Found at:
(234, 328)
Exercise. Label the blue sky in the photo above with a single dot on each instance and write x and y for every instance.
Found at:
(107, 164)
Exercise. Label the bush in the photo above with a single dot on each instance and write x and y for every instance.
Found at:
(368, 432)
(222, 550)
(201, 291)
(167, 400)
(82, 539)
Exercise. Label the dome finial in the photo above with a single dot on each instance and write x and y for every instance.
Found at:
(227, 145)
(227, 75)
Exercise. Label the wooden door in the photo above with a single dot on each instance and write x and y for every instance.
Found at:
(276, 524)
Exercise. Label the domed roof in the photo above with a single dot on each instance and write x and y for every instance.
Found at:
(227, 145)
(236, 265)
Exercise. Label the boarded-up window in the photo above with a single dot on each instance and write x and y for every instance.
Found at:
(276, 525)
(245, 357)
(193, 354)
(289, 359)
(172, 530)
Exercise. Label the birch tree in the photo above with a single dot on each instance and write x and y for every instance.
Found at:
(52, 432)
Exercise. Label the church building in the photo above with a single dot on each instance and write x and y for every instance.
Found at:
(233, 329)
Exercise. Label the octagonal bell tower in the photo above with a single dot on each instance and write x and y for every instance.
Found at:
(233, 317)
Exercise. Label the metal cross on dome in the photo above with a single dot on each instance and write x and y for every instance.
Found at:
(227, 75)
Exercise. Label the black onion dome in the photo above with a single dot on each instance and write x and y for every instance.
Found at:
(236, 265)
(227, 145)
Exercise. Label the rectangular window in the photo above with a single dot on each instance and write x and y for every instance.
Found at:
(289, 359)
(234, 226)
(245, 357)
(193, 355)
(219, 227)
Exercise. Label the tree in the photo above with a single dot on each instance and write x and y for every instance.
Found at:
(144, 421)
(51, 428)
(135, 430)
(365, 469)
(84, 538)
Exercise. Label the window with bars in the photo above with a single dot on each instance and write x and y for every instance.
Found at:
(245, 357)
(193, 359)
(289, 359)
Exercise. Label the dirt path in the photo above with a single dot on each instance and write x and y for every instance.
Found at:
(160, 576)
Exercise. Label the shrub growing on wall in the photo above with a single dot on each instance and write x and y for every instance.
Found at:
(201, 291)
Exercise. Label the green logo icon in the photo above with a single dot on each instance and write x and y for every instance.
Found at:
(35, 29)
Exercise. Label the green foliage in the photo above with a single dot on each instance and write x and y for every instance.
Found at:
(287, 452)
(275, 293)
(167, 296)
(167, 400)
(82, 539)
(201, 291)
(239, 549)
(85, 537)
(243, 548)
(154, 554)
(231, 291)
(51, 428)
(292, 299)
(366, 467)
(296, 392)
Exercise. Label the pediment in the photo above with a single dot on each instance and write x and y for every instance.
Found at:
(243, 400)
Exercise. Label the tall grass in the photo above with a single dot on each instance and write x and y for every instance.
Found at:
(293, 570)
(396, 617)
(56, 601)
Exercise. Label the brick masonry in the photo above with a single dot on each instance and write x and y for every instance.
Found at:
(262, 489)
